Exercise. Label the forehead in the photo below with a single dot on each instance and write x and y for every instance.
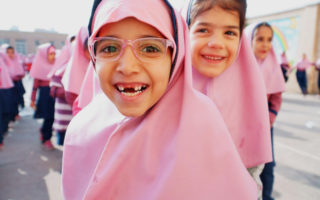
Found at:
(263, 31)
(129, 27)
(219, 15)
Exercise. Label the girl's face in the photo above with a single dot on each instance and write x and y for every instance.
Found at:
(134, 86)
(215, 37)
(262, 42)
(10, 53)
(51, 57)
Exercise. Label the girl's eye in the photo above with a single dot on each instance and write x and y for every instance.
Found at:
(202, 30)
(110, 49)
(231, 33)
(150, 49)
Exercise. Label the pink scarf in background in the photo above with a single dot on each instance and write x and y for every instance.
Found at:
(5, 79)
(41, 67)
(304, 64)
(89, 88)
(14, 65)
(179, 149)
(240, 95)
(270, 68)
(62, 59)
(77, 65)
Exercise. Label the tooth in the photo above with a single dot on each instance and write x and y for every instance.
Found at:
(120, 88)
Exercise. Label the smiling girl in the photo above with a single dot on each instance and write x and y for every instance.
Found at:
(225, 69)
(140, 138)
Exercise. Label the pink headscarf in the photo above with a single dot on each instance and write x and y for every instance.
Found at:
(89, 88)
(14, 65)
(179, 149)
(304, 64)
(41, 66)
(5, 79)
(240, 95)
(62, 59)
(270, 68)
(77, 65)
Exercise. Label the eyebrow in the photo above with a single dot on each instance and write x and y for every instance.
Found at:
(210, 24)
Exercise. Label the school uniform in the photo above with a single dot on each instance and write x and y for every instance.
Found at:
(41, 91)
(301, 74)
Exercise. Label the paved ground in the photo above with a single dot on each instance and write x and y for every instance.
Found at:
(27, 172)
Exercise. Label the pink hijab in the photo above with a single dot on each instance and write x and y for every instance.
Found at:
(270, 68)
(239, 93)
(14, 65)
(62, 60)
(89, 88)
(304, 64)
(179, 149)
(77, 65)
(40, 66)
(5, 79)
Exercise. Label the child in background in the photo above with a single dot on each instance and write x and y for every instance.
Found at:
(301, 74)
(41, 66)
(261, 36)
(63, 111)
(6, 84)
(285, 66)
(77, 66)
(226, 71)
(140, 138)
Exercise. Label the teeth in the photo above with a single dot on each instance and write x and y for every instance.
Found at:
(131, 94)
(131, 91)
(213, 58)
(137, 88)
(120, 88)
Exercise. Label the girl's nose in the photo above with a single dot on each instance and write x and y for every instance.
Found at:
(216, 41)
(128, 62)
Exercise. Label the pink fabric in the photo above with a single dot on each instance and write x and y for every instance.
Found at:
(240, 95)
(5, 79)
(78, 64)
(62, 59)
(179, 149)
(304, 64)
(41, 67)
(89, 88)
(15, 67)
(270, 68)
(284, 59)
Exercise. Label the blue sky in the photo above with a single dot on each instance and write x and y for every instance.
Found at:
(66, 16)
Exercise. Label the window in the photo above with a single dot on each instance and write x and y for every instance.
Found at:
(4, 41)
(21, 46)
(37, 43)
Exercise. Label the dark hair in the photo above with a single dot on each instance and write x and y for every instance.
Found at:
(196, 7)
(266, 24)
(72, 38)
(10, 47)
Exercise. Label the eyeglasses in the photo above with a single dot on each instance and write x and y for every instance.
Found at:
(145, 49)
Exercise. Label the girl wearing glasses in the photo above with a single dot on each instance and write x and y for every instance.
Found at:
(148, 134)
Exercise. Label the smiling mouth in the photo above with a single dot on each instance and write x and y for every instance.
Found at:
(213, 58)
(130, 91)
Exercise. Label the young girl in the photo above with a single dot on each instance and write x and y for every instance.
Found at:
(226, 71)
(6, 84)
(261, 36)
(301, 74)
(285, 66)
(77, 66)
(141, 137)
(42, 65)
(16, 71)
(63, 111)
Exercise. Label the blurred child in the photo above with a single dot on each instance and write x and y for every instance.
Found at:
(148, 134)
(6, 84)
(301, 74)
(261, 35)
(77, 66)
(226, 71)
(285, 66)
(44, 108)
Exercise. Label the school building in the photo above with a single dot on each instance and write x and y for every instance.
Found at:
(296, 32)
(27, 42)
